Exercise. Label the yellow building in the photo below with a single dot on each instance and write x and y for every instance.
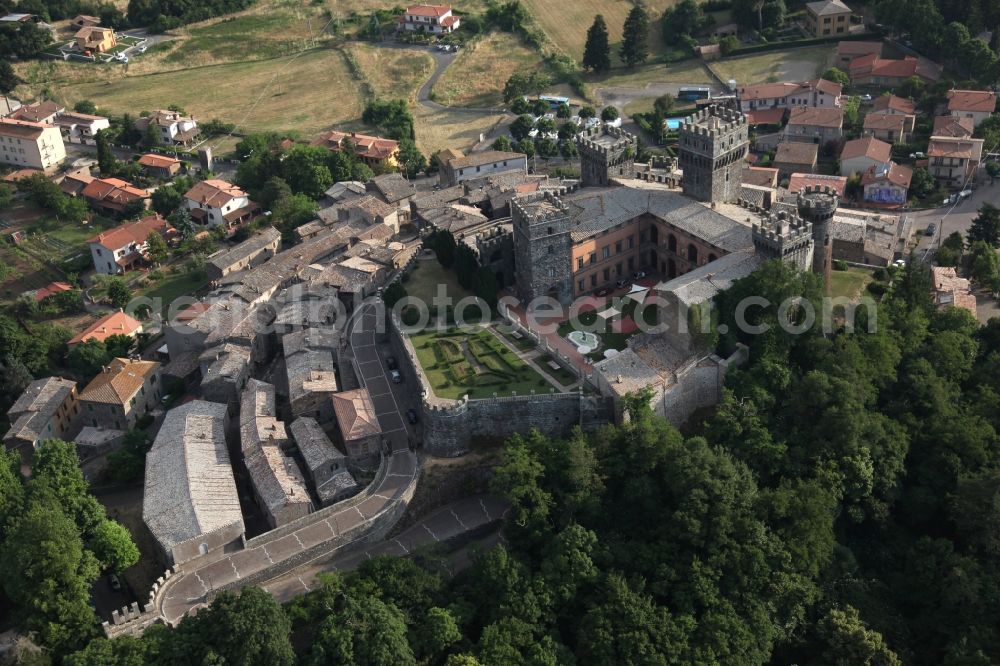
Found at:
(828, 17)
(96, 39)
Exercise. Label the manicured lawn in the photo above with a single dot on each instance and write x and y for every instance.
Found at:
(524, 343)
(563, 376)
(423, 281)
(173, 286)
(478, 74)
(610, 338)
(850, 283)
(475, 363)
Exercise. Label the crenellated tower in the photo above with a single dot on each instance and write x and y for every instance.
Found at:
(606, 153)
(785, 237)
(712, 145)
(817, 205)
(543, 248)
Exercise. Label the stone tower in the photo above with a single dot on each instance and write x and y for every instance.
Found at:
(606, 153)
(817, 206)
(785, 237)
(712, 145)
(542, 248)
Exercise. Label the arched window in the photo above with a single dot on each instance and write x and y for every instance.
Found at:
(672, 243)
(692, 254)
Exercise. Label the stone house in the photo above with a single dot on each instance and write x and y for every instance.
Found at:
(460, 169)
(394, 190)
(889, 127)
(252, 252)
(47, 409)
(815, 125)
(325, 465)
(792, 157)
(121, 393)
(190, 502)
(159, 166)
(860, 154)
(311, 374)
(358, 426)
(828, 17)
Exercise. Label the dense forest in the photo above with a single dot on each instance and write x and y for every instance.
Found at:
(840, 507)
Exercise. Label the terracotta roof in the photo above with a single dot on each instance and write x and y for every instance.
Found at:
(893, 103)
(955, 147)
(132, 232)
(978, 101)
(37, 112)
(766, 116)
(816, 117)
(895, 173)
(797, 181)
(21, 129)
(868, 146)
(796, 152)
(118, 381)
(953, 127)
(435, 11)
(884, 121)
(50, 289)
(191, 313)
(214, 193)
(876, 66)
(113, 190)
(859, 48)
(116, 323)
(355, 414)
(372, 147)
(826, 86)
(159, 161)
(760, 176)
(21, 174)
(448, 21)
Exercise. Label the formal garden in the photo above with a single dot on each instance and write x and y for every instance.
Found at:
(474, 363)
(607, 325)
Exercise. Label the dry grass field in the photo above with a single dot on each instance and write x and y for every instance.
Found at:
(391, 73)
(450, 129)
(791, 65)
(477, 76)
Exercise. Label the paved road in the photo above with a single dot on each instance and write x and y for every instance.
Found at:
(445, 523)
(391, 400)
(954, 218)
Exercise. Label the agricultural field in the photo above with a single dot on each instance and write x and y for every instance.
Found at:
(477, 76)
(475, 363)
(791, 65)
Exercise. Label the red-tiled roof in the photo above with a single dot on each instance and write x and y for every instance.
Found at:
(131, 233)
(355, 414)
(116, 323)
(884, 121)
(22, 129)
(816, 117)
(953, 126)
(869, 146)
(798, 181)
(954, 147)
(37, 112)
(795, 152)
(760, 176)
(372, 147)
(766, 116)
(976, 101)
(51, 289)
(896, 174)
(435, 11)
(214, 193)
(893, 103)
(113, 190)
(158, 161)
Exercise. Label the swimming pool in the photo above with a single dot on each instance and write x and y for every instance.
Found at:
(673, 123)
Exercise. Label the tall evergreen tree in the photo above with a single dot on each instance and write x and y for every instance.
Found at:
(597, 53)
(634, 49)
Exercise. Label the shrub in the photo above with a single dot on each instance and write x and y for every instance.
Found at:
(839, 265)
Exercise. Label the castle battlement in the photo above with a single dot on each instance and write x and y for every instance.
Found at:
(785, 237)
(590, 140)
(714, 122)
(817, 200)
(539, 207)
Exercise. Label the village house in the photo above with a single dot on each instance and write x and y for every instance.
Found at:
(860, 154)
(894, 105)
(174, 127)
(786, 95)
(977, 105)
(760, 176)
(828, 17)
(25, 144)
(117, 250)
(73, 182)
(51, 289)
(848, 51)
(121, 393)
(875, 71)
(372, 150)
(311, 373)
(95, 39)
(800, 181)
(358, 427)
(477, 165)
(951, 290)
(815, 125)
(953, 161)
(325, 465)
(252, 252)
(190, 503)
(435, 19)
(159, 166)
(114, 195)
(44, 112)
(953, 127)
(114, 323)
(887, 184)
(80, 127)
(47, 409)
(84, 21)
(794, 156)
(394, 190)
(216, 203)
(889, 127)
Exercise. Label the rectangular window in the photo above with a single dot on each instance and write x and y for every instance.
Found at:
(630, 243)
(607, 274)
(605, 252)
(618, 247)
(618, 269)
(593, 280)
(593, 258)
(579, 285)
(579, 263)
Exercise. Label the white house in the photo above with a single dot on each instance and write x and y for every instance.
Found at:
(975, 104)
(25, 144)
(819, 93)
(861, 154)
(116, 250)
(215, 202)
(80, 127)
(479, 165)
(435, 19)
(174, 127)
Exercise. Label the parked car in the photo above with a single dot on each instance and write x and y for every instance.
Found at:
(395, 376)
(638, 275)
(116, 584)
(917, 155)
(411, 416)
(390, 362)
(930, 230)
